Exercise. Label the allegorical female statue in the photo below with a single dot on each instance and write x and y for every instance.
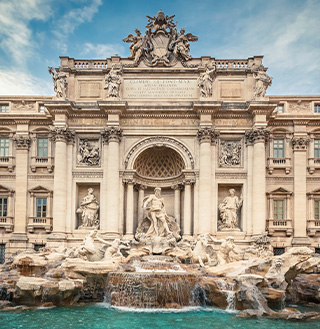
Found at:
(88, 209)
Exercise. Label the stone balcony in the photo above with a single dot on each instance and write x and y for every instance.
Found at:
(45, 223)
(7, 162)
(313, 226)
(42, 162)
(279, 163)
(313, 164)
(6, 222)
(280, 226)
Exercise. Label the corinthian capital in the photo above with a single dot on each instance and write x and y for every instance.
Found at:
(257, 135)
(112, 134)
(300, 143)
(62, 135)
(207, 135)
(22, 142)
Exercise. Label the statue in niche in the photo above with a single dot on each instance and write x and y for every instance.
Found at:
(181, 45)
(263, 81)
(60, 83)
(230, 153)
(205, 81)
(156, 213)
(157, 223)
(89, 153)
(139, 45)
(229, 211)
(88, 209)
(113, 82)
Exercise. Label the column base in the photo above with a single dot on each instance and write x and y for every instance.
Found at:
(301, 241)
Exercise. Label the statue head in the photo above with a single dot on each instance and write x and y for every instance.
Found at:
(232, 191)
(90, 190)
(137, 32)
(157, 191)
(183, 30)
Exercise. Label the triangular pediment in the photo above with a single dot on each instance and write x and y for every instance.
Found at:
(39, 189)
(316, 191)
(280, 190)
(4, 189)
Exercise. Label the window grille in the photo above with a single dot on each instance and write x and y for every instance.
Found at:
(278, 251)
(2, 253)
(38, 246)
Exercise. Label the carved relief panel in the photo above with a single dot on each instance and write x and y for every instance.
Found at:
(230, 153)
(88, 152)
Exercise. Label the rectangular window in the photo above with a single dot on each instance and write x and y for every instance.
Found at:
(278, 209)
(37, 247)
(42, 147)
(41, 207)
(317, 209)
(2, 253)
(278, 148)
(3, 207)
(42, 108)
(278, 251)
(317, 250)
(279, 109)
(4, 107)
(4, 147)
(317, 148)
(316, 108)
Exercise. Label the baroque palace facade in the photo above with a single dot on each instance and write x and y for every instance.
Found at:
(229, 160)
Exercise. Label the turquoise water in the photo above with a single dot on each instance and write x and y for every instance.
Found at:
(101, 316)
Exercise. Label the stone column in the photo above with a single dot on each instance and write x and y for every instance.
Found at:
(112, 135)
(104, 184)
(20, 217)
(187, 229)
(258, 138)
(141, 189)
(61, 137)
(177, 195)
(249, 188)
(205, 137)
(129, 208)
(300, 146)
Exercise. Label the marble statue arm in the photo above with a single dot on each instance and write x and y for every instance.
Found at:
(147, 201)
(214, 239)
(103, 241)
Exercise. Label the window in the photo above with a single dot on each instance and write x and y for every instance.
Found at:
(279, 109)
(278, 251)
(37, 247)
(42, 147)
(278, 209)
(278, 148)
(3, 207)
(317, 250)
(42, 108)
(41, 207)
(317, 148)
(2, 253)
(316, 209)
(4, 107)
(4, 147)
(316, 108)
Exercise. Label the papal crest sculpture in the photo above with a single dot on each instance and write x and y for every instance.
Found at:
(162, 45)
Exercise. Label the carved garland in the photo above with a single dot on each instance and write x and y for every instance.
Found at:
(162, 141)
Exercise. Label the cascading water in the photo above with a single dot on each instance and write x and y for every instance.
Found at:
(228, 289)
(157, 283)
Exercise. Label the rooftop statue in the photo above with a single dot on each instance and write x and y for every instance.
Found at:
(161, 45)
(60, 82)
(263, 81)
(113, 82)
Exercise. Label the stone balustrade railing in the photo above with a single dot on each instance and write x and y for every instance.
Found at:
(231, 64)
(40, 222)
(6, 222)
(279, 225)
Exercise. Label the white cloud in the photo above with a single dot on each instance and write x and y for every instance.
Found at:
(71, 20)
(15, 32)
(102, 50)
(15, 82)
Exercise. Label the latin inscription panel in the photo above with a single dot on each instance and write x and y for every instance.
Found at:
(160, 88)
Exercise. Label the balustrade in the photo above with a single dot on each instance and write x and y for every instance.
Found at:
(40, 223)
(279, 225)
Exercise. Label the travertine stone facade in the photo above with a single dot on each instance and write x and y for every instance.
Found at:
(196, 127)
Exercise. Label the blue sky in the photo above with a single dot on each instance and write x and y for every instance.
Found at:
(34, 33)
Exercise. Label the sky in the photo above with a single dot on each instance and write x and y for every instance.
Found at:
(34, 33)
